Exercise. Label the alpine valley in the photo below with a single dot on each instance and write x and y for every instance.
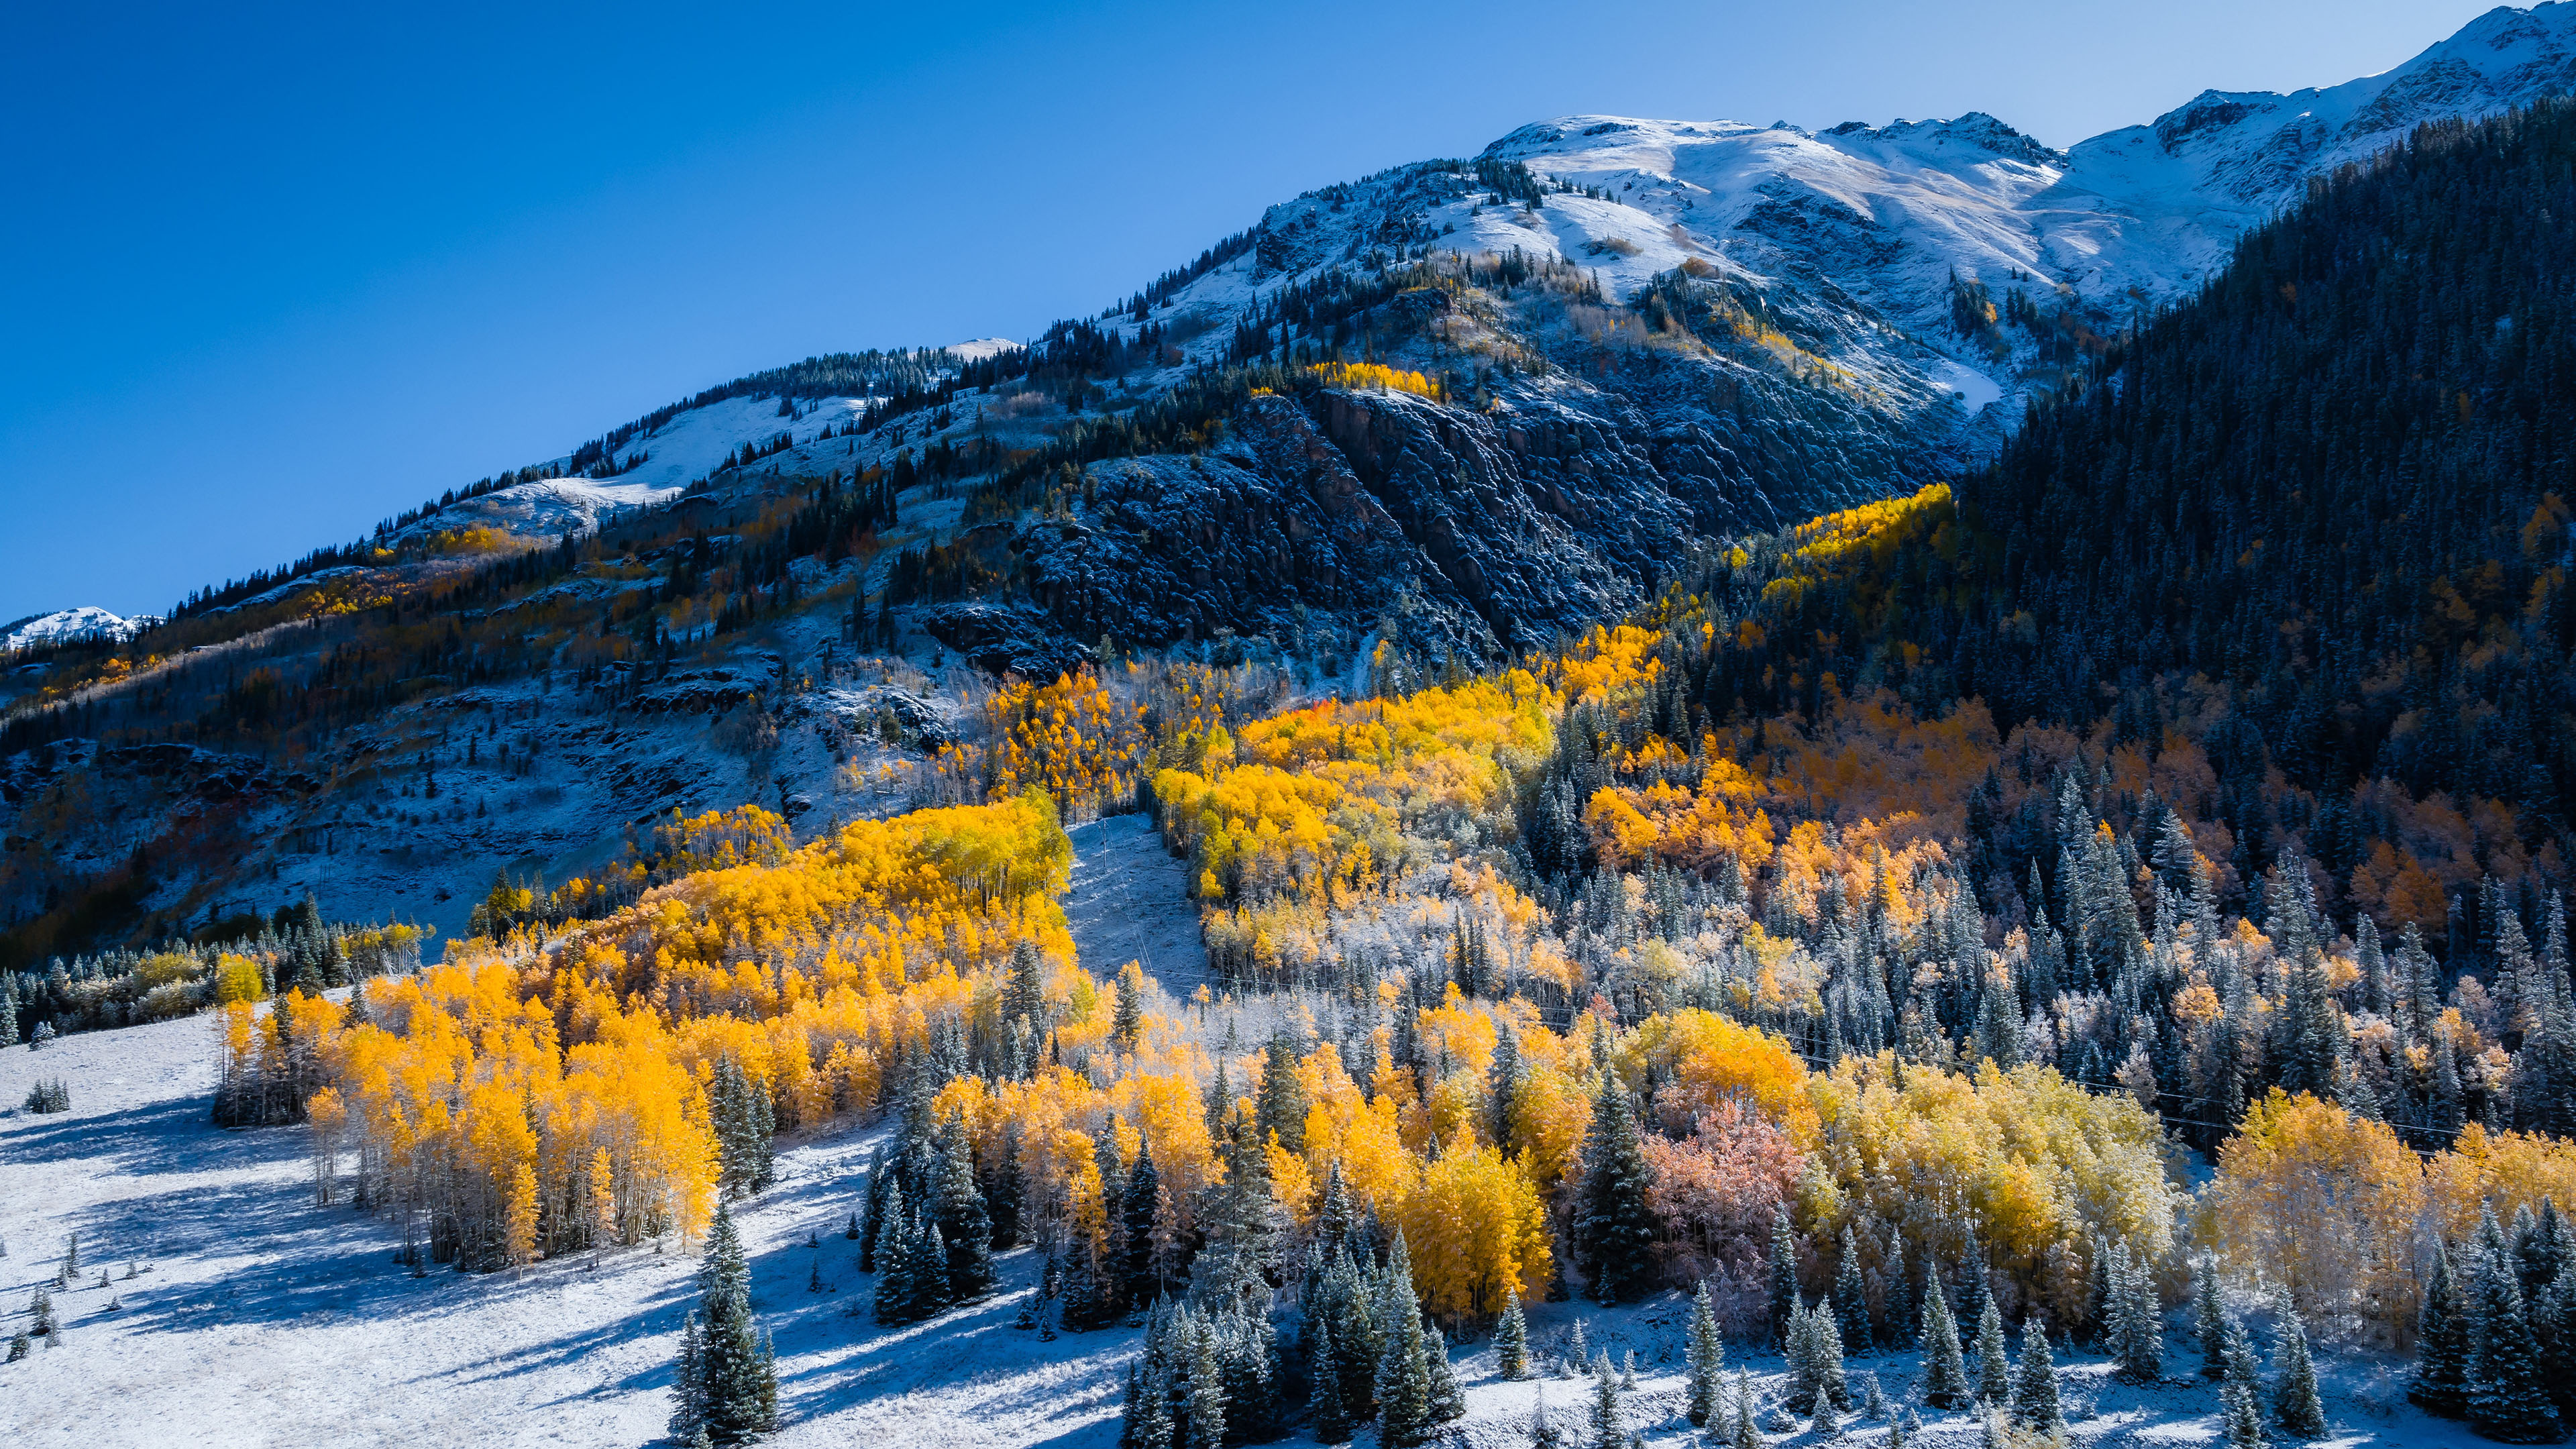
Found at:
(1685, 782)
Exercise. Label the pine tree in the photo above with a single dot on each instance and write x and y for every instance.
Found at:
(1606, 1414)
(1511, 1337)
(1783, 1270)
(2506, 1398)
(2034, 1398)
(1502, 1089)
(2295, 1405)
(1747, 1434)
(1823, 1423)
(1613, 1228)
(2209, 1317)
(965, 1227)
(896, 1292)
(2243, 1416)
(1446, 1403)
(1141, 1203)
(1127, 1024)
(1994, 1368)
(2137, 1327)
(1332, 1418)
(688, 1383)
(1206, 1400)
(1578, 1349)
(1403, 1378)
(18, 1345)
(1705, 1353)
(1819, 1365)
(1280, 1107)
(1851, 1299)
(1945, 1371)
(735, 1381)
(2445, 1339)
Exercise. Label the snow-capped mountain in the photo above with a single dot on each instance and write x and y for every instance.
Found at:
(67, 625)
(1599, 346)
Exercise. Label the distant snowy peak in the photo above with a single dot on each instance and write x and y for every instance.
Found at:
(981, 348)
(2255, 145)
(67, 625)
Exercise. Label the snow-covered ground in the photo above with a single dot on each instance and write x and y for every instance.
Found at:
(260, 1318)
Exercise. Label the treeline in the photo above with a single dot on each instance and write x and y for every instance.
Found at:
(2335, 482)
(295, 949)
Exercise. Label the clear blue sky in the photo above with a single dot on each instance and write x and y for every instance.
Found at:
(269, 273)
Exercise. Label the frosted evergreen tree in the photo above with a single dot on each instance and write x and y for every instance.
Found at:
(1206, 1396)
(1785, 1306)
(2506, 1399)
(1542, 1433)
(2295, 1405)
(1705, 1353)
(2034, 1397)
(1994, 1367)
(1446, 1403)
(1851, 1299)
(1324, 1404)
(1747, 1434)
(18, 1345)
(8, 1014)
(1280, 1106)
(1578, 1349)
(1502, 1088)
(1613, 1228)
(965, 1227)
(735, 1381)
(1142, 1205)
(2137, 1324)
(2242, 1414)
(1403, 1372)
(897, 1256)
(1606, 1411)
(688, 1383)
(1816, 1359)
(2444, 1338)
(2098, 1291)
(1511, 1337)
(1945, 1370)
(1822, 1421)
(2209, 1317)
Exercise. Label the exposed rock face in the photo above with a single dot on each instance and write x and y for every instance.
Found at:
(1489, 529)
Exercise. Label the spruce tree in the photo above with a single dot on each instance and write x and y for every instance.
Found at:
(688, 1383)
(1280, 1107)
(1142, 1204)
(2444, 1340)
(1613, 1228)
(1783, 1269)
(1606, 1413)
(2295, 1405)
(1502, 1088)
(965, 1227)
(896, 1259)
(1511, 1337)
(1403, 1378)
(2243, 1416)
(1822, 1368)
(1747, 1434)
(1945, 1371)
(1324, 1405)
(1206, 1398)
(2507, 1401)
(1445, 1402)
(1705, 1353)
(734, 1381)
(1994, 1367)
(2137, 1329)
(1851, 1300)
(2209, 1317)
(2034, 1395)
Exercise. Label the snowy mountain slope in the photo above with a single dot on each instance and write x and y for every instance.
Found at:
(63, 625)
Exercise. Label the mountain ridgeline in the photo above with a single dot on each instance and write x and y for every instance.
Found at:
(2315, 516)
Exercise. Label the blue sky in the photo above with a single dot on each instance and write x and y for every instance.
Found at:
(270, 273)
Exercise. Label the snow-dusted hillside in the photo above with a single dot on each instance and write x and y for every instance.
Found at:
(65, 625)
